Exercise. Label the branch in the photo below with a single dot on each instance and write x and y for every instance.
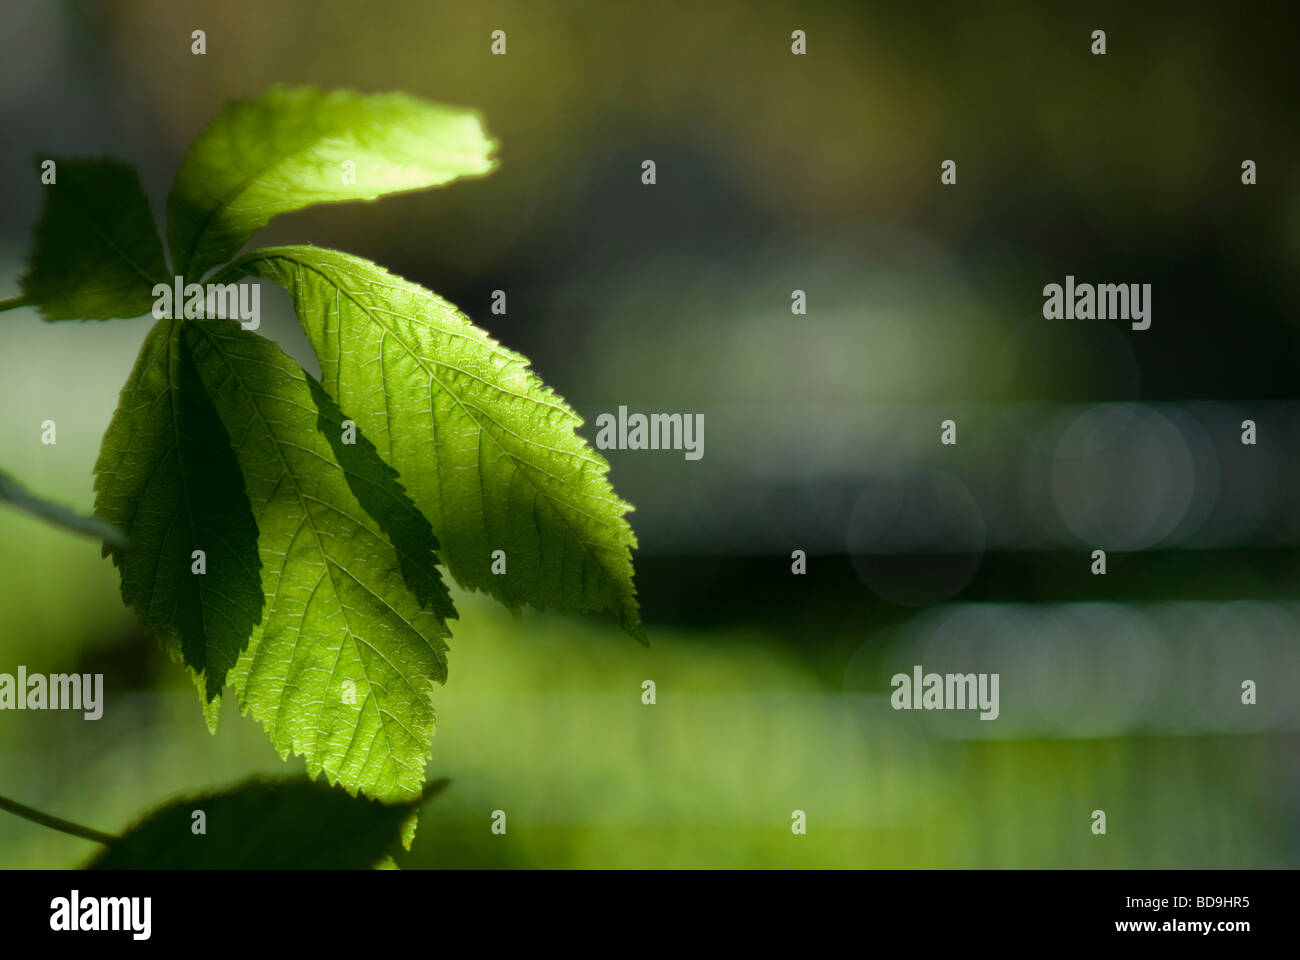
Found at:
(66, 826)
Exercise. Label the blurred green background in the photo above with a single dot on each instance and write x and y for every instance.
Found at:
(775, 173)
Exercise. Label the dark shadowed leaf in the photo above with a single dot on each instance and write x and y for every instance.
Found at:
(292, 824)
(166, 476)
(96, 254)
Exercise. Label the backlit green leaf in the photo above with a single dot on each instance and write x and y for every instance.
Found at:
(294, 147)
(486, 450)
(342, 666)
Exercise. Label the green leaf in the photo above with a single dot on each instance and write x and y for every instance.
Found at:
(15, 494)
(488, 452)
(342, 666)
(285, 825)
(96, 253)
(288, 149)
(167, 477)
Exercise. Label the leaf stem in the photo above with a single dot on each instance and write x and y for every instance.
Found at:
(56, 823)
(14, 302)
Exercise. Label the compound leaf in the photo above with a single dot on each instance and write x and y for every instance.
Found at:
(486, 450)
(277, 825)
(166, 476)
(96, 254)
(294, 147)
(341, 667)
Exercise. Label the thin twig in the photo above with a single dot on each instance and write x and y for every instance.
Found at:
(66, 826)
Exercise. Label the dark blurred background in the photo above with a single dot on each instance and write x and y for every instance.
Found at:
(924, 303)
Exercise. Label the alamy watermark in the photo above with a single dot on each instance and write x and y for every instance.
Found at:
(75, 913)
(1105, 301)
(213, 301)
(56, 691)
(946, 691)
(656, 431)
